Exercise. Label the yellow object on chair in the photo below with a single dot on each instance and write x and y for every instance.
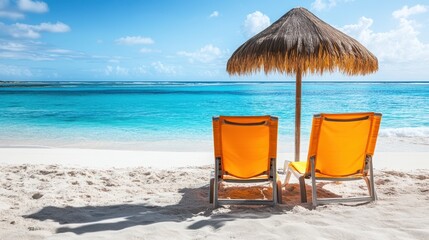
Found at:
(341, 149)
(245, 152)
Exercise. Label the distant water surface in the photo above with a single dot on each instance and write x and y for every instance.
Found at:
(47, 112)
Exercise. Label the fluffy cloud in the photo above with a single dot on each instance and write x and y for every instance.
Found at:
(18, 42)
(59, 51)
(405, 12)
(15, 12)
(399, 45)
(33, 6)
(20, 30)
(320, 5)
(116, 70)
(206, 54)
(24, 51)
(45, 27)
(255, 22)
(164, 69)
(27, 49)
(14, 71)
(12, 46)
(214, 14)
(148, 50)
(11, 15)
(136, 40)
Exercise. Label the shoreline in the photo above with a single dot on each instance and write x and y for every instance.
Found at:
(284, 145)
(108, 158)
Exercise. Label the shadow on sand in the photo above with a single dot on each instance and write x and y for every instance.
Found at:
(194, 202)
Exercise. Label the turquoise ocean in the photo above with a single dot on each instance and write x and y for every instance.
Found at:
(73, 113)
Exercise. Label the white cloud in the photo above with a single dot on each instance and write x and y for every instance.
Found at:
(11, 15)
(24, 49)
(33, 56)
(20, 30)
(29, 51)
(405, 12)
(33, 6)
(141, 70)
(109, 70)
(164, 69)
(146, 50)
(214, 14)
(320, 5)
(255, 22)
(116, 71)
(206, 54)
(114, 60)
(122, 71)
(59, 51)
(399, 45)
(45, 27)
(14, 71)
(136, 40)
(13, 47)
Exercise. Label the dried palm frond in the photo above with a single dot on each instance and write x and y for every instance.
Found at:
(301, 42)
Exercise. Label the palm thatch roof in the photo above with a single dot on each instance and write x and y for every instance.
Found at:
(301, 42)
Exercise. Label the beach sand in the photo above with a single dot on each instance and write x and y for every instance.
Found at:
(59, 193)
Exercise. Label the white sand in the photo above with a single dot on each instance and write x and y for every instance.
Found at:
(122, 194)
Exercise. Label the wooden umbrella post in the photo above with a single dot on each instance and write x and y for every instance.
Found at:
(298, 114)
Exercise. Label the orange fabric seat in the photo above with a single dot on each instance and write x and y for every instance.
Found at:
(245, 149)
(341, 148)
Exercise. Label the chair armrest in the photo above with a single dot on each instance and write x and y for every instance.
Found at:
(286, 165)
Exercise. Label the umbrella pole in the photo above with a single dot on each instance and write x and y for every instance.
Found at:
(298, 114)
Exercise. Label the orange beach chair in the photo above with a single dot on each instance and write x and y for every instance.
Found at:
(341, 149)
(245, 150)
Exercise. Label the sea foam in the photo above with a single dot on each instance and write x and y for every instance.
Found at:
(419, 135)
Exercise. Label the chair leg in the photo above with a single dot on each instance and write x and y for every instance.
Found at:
(368, 185)
(371, 172)
(275, 192)
(274, 174)
(211, 190)
(314, 191)
(302, 189)
(313, 182)
(215, 193)
(216, 184)
(279, 192)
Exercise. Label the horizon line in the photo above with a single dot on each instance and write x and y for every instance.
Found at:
(206, 81)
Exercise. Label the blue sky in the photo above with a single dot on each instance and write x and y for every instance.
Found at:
(69, 40)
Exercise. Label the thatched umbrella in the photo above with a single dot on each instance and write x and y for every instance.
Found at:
(300, 43)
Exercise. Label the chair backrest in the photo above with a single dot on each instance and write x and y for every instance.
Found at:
(245, 144)
(340, 143)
